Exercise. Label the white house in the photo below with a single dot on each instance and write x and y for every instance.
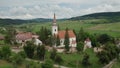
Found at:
(38, 42)
(27, 36)
(61, 34)
(87, 43)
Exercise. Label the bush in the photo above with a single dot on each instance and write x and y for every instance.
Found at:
(104, 38)
(17, 59)
(5, 52)
(85, 61)
(29, 49)
(22, 54)
(58, 59)
(80, 46)
(47, 64)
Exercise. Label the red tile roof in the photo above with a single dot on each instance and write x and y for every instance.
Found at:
(24, 36)
(61, 34)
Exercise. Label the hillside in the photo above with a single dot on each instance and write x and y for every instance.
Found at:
(4, 22)
(109, 17)
(104, 17)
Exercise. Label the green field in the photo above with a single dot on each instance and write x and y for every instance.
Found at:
(75, 60)
(5, 64)
(112, 29)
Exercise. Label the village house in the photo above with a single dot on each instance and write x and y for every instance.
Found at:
(27, 36)
(87, 44)
(61, 34)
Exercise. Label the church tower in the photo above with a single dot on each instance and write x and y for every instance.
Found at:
(54, 26)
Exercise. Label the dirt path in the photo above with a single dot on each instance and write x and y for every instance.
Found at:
(55, 65)
(110, 64)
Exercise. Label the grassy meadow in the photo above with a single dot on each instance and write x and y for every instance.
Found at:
(5, 64)
(75, 60)
(112, 29)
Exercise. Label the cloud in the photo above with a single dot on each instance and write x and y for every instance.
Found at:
(37, 11)
(24, 9)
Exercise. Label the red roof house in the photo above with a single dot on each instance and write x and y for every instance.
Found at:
(24, 36)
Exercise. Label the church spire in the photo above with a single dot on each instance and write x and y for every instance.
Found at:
(54, 20)
(54, 26)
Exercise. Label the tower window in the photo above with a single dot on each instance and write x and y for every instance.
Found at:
(55, 29)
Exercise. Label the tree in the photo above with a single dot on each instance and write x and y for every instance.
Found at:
(66, 42)
(85, 61)
(58, 59)
(10, 36)
(80, 35)
(22, 54)
(17, 59)
(94, 41)
(53, 40)
(57, 41)
(48, 64)
(80, 46)
(44, 34)
(110, 51)
(29, 49)
(104, 38)
(6, 52)
(41, 52)
(103, 57)
(53, 55)
(75, 32)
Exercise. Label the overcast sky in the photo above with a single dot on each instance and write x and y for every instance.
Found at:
(27, 9)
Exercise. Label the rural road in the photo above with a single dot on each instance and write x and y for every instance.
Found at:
(110, 64)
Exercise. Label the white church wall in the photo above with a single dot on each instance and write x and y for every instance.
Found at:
(70, 39)
(71, 44)
(54, 30)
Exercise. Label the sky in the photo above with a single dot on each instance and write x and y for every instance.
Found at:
(29, 9)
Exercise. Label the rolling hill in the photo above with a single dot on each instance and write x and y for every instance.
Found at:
(104, 17)
(109, 17)
(4, 22)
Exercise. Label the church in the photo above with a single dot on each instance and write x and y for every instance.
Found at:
(61, 34)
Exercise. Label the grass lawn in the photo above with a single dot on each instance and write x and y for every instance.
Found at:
(74, 60)
(5, 64)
